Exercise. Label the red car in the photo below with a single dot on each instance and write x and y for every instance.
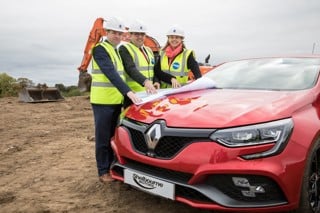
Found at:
(249, 143)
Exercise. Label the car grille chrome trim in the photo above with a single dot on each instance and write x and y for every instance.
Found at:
(159, 141)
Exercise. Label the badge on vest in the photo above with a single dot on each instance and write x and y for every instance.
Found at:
(175, 65)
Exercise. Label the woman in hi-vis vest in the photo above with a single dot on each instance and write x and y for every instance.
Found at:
(176, 59)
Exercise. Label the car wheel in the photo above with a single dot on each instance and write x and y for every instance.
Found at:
(310, 192)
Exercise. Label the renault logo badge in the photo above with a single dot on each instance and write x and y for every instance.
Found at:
(153, 136)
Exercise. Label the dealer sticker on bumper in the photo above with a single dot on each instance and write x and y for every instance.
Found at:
(149, 184)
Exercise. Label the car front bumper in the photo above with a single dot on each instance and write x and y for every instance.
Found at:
(210, 176)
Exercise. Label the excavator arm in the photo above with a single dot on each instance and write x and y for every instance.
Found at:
(95, 36)
(96, 33)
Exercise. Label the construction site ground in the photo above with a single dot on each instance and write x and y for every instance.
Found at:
(47, 163)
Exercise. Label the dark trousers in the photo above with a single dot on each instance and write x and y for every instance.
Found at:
(105, 120)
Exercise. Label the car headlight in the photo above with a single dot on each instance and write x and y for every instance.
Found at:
(276, 132)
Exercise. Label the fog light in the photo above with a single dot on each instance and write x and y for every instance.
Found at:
(251, 191)
(260, 189)
(240, 181)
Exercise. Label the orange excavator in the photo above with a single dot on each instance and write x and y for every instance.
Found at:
(95, 36)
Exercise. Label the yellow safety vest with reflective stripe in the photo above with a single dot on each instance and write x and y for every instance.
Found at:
(178, 67)
(102, 90)
(145, 66)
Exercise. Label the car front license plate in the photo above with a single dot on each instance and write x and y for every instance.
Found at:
(149, 184)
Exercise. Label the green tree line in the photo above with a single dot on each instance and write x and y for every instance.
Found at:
(10, 87)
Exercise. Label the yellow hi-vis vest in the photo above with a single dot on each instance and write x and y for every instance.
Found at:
(145, 66)
(102, 90)
(178, 67)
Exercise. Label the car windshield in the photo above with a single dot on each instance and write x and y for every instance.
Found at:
(267, 74)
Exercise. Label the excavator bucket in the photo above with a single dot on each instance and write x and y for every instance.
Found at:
(84, 81)
(40, 94)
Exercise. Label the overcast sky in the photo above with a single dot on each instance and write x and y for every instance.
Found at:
(44, 40)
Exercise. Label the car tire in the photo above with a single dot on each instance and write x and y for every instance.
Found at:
(310, 191)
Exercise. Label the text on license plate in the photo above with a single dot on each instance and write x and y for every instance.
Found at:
(149, 184)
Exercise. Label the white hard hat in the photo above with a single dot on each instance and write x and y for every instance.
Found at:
(114, 24)
(175, 30)
(137, 27)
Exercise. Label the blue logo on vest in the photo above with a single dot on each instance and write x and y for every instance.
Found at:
(175, 65)
(152, 61)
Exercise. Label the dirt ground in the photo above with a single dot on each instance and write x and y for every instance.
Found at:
(47, 163)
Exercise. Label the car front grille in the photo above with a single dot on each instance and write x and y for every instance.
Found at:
(158, 171)
(172, 140)
(167, 146)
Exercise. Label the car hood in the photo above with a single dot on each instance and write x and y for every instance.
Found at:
(214, 108)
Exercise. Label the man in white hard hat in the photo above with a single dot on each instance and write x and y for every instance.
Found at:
(138, 61)
(108, 89)
(176, 59)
